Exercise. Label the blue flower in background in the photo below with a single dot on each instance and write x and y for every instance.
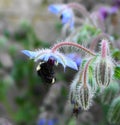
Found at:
(66, 14)
(75, 57)
(52, 121)
(44, 121)
(46, 55)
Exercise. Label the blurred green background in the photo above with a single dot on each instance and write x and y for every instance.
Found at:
(24, 97)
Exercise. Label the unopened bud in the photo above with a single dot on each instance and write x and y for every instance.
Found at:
(74, 93)
(103, 72)
(85, 97)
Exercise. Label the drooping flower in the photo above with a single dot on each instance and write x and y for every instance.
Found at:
(64, 12)
(46, 54)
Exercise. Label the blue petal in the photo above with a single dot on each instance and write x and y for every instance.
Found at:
(44, 57)
(30, 54)
(59, 60)
(71, 64)
(33, 55)
(75, 57)
(113, 10)
(55, 8)
(67, 14)
(78, 61)
(71, 24)
(68, 17)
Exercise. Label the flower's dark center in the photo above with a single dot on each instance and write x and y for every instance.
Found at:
(61, 16)
(105, 14)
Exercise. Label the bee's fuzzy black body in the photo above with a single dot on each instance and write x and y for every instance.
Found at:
(46, 71)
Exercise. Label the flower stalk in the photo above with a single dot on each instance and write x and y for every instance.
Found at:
(85, 72)
(82, 10)
(61, 44)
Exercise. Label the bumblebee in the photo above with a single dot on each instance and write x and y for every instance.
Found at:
(46, 71)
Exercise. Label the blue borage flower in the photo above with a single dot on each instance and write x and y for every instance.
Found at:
(46, 54)
(66, 13)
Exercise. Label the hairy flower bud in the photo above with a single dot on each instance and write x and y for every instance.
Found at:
(85, 97)
(85, 93)
(103, 72)
(104, 66)
(74, 94)
(114, 112)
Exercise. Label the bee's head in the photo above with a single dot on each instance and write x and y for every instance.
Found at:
(51, 61)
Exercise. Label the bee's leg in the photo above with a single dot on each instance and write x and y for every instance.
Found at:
(53, 80)
(39, 66)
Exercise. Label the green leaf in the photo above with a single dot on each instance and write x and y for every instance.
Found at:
(116, 54)
(114, 112)
(117, 72)
(72, 122)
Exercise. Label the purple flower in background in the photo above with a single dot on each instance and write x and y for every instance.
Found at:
(106, 11)
(75, 57)
(66, 14)
(116, 3)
